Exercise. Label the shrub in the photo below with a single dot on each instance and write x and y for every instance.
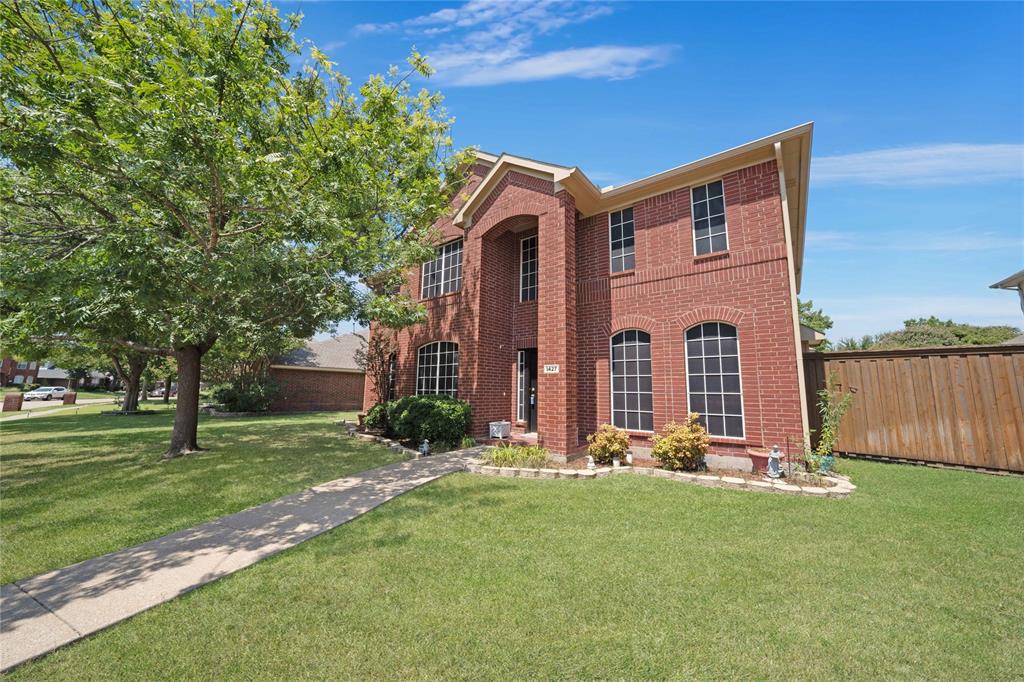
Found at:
(248, 394)
(681, 447)
(833, 404)
(526, 456)
(436, 418)
(608, 442)
(377, 417)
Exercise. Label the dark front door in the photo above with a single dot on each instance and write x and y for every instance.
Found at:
(528, 388)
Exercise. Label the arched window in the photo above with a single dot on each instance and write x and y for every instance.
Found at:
(713, 378)
(437, 369)
(632, 394)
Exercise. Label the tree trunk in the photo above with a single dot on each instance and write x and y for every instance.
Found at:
(133, 378)
(184, 439)
(167, 389)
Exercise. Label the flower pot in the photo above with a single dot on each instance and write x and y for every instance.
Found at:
(616, 462)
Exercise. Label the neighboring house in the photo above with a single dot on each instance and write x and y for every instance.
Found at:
(322, 375)
(18, 372)
(51, 375)
(559, 306)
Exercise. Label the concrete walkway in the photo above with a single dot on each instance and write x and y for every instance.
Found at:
(39, 614)
(44, 409)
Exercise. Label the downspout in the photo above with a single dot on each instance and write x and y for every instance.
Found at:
(791, 268)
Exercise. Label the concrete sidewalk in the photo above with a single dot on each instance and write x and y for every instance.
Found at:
(45, 409)
(47, 611)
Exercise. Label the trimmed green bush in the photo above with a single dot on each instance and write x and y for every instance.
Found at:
(436, 418)
(246, 394)
(377, 417)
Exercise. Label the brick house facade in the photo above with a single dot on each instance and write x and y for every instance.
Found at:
(621, 275)
(322, 375)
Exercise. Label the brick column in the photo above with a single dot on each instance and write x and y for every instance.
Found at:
(556, 327)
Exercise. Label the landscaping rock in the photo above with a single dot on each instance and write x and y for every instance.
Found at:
(814, 490)
(603, 472)
(734, 480)
(663, 473)
(568, 473)
(586, 473)
(548, 473)
(508, 472)
(489, 470)
(529, 473)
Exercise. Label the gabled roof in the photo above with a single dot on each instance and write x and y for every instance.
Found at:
(791, 148)
(1015, 281)
(335, 353)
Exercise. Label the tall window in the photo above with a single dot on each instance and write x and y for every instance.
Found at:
(443, 274)
(713, 378)
(392, 374)
(528, 269)
(632, 394)
(437, 369)
(521, 397)
(621, 225)
(709, 219)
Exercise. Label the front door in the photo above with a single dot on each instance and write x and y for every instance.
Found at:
(528, 388)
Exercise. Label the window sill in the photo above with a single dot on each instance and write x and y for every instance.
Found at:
(624, 273)
(718, 255)
(440, 296)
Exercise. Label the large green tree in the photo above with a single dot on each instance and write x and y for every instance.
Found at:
(168, 179)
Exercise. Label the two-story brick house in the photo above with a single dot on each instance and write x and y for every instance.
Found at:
(558, 305)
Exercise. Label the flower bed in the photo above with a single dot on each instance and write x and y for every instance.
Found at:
(827, 486)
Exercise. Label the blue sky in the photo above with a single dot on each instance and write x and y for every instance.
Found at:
(917, 183)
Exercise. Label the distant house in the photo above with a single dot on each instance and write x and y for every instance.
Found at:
(322, 375)
(1013, 283)
(14, 372)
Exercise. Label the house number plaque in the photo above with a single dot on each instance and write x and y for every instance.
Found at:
(551, 369)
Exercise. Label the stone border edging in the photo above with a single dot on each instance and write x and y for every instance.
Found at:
(393, 445)
(841, 486)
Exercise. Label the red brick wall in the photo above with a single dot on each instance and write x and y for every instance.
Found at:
(306, 390)
(581, 304)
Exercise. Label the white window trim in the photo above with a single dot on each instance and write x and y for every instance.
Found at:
(437, 369)
(520, 385)
(439, 255)
(739, 366)
(693, 226)
(537, 273)
(611, 257)
(611, 381)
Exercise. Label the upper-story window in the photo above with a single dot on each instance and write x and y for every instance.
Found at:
(621, 235)
(23, 365)
(709, 219)
(443, 274)
(528, 269)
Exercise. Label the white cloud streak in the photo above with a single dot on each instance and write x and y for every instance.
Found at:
(898, 240)
(489, 42)
(938, 164)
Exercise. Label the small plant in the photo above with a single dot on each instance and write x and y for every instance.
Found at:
(681, 447)
(522, 456)
(607, 443)
(833, 403)
(468, 442)
(377, 417)
(246, 394)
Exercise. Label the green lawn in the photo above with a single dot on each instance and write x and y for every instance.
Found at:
(77, 486)
(916, 576)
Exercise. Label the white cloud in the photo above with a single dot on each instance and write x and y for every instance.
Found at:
(938, 164)
(486, 42)
(938, 240)
(607, 61)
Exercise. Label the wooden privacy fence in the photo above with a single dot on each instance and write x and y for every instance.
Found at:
(959, 406)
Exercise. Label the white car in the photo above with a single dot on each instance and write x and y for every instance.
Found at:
(46, 393)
